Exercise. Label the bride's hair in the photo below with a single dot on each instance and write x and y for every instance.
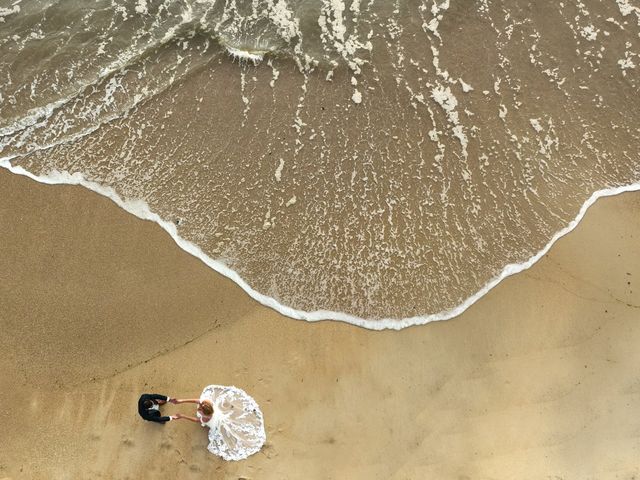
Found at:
(206, 408)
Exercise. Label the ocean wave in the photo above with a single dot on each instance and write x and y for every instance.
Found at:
(384, 164)
(141, 210)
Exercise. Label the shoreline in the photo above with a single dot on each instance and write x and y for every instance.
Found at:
(141, 210)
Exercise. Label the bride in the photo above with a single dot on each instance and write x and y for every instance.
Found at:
(236, 427)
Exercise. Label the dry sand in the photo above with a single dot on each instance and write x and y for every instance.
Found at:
(539, 380)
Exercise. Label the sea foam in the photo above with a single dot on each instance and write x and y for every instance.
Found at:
(381, 166)
(141, 210)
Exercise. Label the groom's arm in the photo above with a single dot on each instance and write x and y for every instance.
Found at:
(159, 419)
(157, 396)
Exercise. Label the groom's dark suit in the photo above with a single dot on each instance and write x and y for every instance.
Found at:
(151, 414)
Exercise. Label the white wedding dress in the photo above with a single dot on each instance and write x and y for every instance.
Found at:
(236, 429)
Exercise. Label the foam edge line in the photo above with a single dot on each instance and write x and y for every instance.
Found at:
(140, 209)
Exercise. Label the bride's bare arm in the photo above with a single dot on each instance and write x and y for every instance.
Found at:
(184, 400)
(186, 417)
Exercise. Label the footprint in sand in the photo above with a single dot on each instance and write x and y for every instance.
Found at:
(127, 441)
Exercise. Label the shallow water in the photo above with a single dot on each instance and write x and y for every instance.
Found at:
(386, 160)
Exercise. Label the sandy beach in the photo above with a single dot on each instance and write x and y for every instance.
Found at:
(538, 380)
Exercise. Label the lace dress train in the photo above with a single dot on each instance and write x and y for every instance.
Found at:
(236, 429)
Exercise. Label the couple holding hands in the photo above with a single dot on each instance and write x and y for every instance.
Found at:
(149, 408)
(236, 426)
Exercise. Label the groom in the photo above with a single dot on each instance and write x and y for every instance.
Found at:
(149, 407)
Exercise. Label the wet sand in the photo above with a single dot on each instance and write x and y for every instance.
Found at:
(539, 379)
